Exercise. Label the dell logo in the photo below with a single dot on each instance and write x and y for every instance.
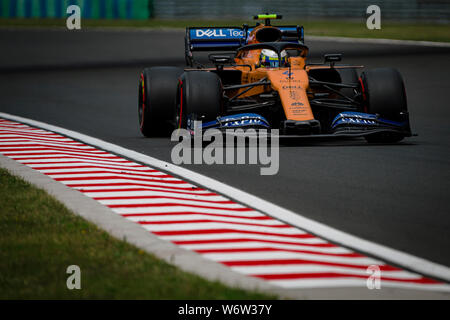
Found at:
(210, 33)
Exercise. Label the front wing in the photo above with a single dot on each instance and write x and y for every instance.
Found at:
(345, 125)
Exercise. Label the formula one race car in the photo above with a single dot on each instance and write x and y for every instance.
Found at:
(267, 83)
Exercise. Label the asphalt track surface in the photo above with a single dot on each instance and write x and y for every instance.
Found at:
(394, 195)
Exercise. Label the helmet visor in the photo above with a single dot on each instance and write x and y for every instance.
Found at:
(270, 62)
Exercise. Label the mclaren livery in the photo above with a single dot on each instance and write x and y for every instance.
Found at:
(259, 77)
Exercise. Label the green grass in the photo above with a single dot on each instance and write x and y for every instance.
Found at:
(40, 238)
(354, 28)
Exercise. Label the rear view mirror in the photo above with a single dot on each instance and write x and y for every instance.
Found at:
(220, 59)
(332, 58)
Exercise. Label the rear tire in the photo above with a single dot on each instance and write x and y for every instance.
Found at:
(384, 94)
(157, 100)
(200, 94)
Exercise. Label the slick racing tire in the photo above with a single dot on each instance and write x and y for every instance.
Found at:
(199, 97)
(384, 94)
(157, 100)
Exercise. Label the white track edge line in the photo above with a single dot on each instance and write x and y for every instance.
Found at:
(390, 255)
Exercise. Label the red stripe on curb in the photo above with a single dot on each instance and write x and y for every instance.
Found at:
(221, 231)
(318, 245)
(292, 276)
(217, 221)
(269, 249)
(240, 263)
(161, 197)
(128, 215)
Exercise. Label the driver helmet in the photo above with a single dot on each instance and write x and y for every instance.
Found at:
(269, 59)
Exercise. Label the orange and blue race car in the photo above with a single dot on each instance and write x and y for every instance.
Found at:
(259, 77)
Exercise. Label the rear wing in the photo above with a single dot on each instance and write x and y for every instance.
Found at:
(229, 38)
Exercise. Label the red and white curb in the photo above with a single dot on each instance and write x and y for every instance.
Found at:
(247, 240)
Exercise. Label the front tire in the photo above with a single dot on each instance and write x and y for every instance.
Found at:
(200, 95)
(157, 100)
(384, 94)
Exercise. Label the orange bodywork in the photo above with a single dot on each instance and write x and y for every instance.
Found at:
(292, 84)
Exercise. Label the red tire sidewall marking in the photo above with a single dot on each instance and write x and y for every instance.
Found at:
(143, 100)
(366, 110)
